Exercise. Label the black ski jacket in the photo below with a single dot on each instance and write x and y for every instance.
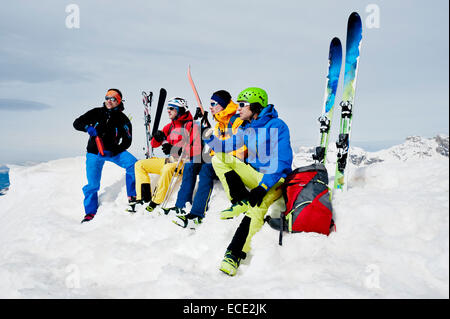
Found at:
(113, 127)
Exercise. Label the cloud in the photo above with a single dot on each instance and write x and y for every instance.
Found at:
(21, 105)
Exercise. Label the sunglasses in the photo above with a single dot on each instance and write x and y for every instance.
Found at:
(170, 108)
(214, 104)
(110, 98)
(244, 104)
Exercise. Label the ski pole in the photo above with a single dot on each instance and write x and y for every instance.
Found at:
(99, 143)
(280, 241)
(178, 169)
(173, 181)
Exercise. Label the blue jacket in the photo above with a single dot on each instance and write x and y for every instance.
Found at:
(268, 142)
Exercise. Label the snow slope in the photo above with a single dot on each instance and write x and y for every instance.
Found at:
(392, 238)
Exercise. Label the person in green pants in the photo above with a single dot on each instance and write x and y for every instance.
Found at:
(252, 186)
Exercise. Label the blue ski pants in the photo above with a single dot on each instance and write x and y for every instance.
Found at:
(94, 167)
(205, 186)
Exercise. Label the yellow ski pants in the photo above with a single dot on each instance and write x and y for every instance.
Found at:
(158, 166)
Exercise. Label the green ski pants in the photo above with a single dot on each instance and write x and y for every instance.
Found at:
(224, 163)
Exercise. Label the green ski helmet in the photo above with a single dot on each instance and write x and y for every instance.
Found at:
(253, 95)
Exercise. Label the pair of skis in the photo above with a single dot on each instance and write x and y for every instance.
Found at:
(353, 45)
(149, 133)
(204, 114)
(180, 163)
(147, 101)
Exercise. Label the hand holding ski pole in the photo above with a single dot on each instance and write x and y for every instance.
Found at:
(93, 133)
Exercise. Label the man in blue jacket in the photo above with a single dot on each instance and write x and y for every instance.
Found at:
(268, 163)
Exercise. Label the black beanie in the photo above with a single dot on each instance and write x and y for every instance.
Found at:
(223, 97)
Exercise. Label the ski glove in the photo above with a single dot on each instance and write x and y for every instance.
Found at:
(207, 132)
(256, 196)
(91, 131)
(159, 136)
(205, 122)
(198, 114)
(166, 147)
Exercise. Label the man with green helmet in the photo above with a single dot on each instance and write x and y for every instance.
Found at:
(251, 185)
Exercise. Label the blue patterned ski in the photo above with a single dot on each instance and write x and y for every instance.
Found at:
(334, 69)
(353, 46)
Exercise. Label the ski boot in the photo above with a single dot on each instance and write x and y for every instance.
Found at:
(151, 207)
(230, 263)
(234, 210)
(239, 196)
(187, 221)
(88, 218)
(132, 202)
(176, 210)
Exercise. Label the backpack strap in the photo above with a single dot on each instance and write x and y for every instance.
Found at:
(229, 125)
(232, 119)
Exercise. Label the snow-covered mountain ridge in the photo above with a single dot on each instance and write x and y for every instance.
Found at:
(392, 238)
(414, 147)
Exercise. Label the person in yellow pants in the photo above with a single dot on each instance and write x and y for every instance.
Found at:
(261, 173)
(159, 166)
(172, 138)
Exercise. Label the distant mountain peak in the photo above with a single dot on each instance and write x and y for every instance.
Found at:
(421, 147)
(442, 147)
(414, 147)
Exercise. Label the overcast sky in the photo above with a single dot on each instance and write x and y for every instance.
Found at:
(50, 74)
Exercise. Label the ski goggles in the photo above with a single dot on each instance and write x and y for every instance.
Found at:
(243, 104)
(214, 103)
(173, 106)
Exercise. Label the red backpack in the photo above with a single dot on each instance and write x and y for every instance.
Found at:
(308, 204)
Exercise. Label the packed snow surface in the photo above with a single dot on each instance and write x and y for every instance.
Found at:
(392, 237)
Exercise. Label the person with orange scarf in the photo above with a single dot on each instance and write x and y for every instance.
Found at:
(223, 110)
